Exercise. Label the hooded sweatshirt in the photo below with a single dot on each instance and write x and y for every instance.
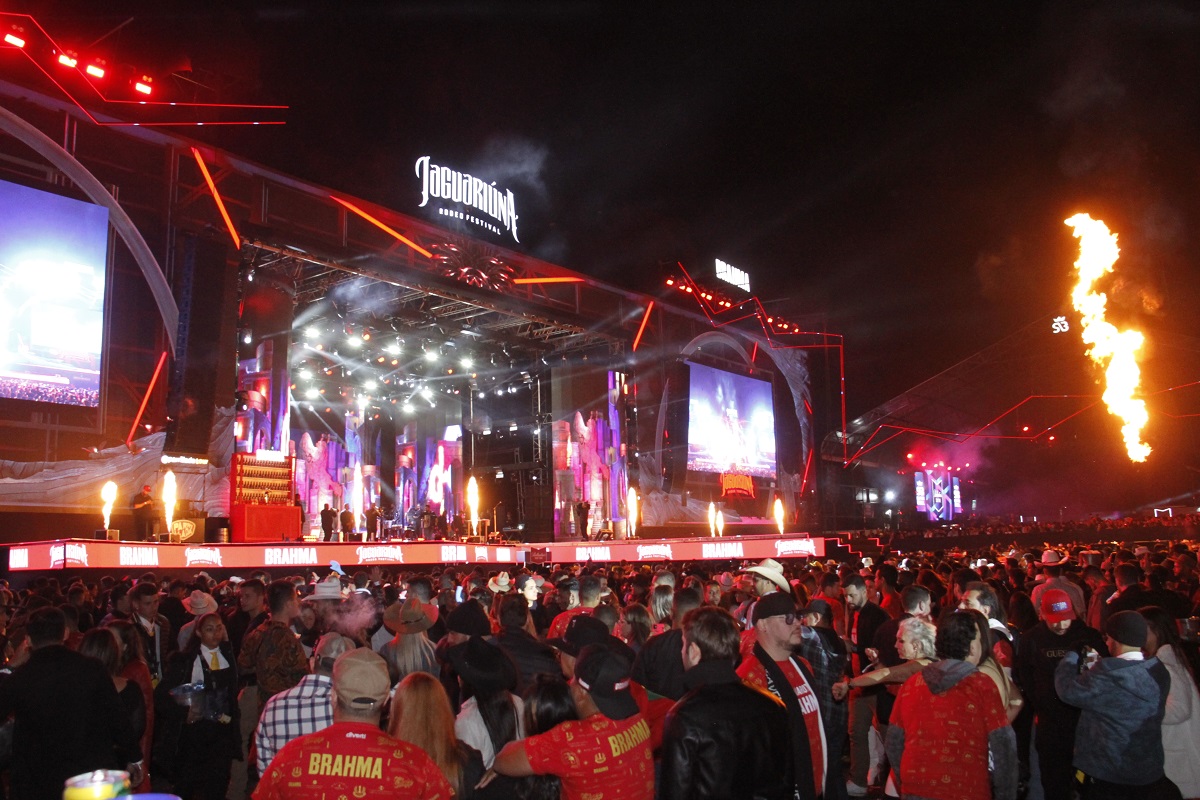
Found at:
(952, 709)
(1119, 735)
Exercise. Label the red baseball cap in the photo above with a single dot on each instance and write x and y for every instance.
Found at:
(1056, 606)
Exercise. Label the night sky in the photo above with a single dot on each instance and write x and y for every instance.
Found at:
(896, 172)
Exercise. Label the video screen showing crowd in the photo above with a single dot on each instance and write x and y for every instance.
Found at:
(1055, 673)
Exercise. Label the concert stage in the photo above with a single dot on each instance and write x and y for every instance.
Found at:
(112, 556)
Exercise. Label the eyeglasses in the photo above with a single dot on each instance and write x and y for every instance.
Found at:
(788, 619)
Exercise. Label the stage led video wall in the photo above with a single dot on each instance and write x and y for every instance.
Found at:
(937, 495)
(53, 260)
(731, 423)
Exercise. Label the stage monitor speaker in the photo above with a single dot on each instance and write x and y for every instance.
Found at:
(205, 371)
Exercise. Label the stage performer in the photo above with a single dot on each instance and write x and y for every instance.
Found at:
(347, 520)
(143, 514)
(328, 520)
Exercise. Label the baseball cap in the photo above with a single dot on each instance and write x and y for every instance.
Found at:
(775, 604)
(604, 673)
(818, 607)
(360, 678)
(1056, 606)
(582, 630)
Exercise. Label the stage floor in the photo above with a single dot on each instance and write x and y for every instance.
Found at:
(76, 554)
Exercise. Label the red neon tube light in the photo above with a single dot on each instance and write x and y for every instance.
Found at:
(146, 399)
(642, 328)
(382, 226)
(212, 187)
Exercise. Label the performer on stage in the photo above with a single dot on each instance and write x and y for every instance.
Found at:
(348, 523)
(328, 520)
(143, 514)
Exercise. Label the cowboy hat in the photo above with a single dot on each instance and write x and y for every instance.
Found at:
(772, 570)
(199, 602)
(411, 616)
(500, 584)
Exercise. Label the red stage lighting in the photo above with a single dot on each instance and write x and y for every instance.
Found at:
(142, 86)
(14, 40)
(67, 61)
(94, 70)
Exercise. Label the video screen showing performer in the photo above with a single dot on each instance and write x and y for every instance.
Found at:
(53, 256)
(731, 423)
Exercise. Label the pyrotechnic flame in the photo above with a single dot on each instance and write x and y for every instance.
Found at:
(109, 495)
(720, 523)
(779, 514)
(1115, 351)
(712, 519)
(168, 497)
(473, 504)
(631, 510)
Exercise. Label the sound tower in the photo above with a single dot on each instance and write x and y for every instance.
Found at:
(204, 373)
(675, 426)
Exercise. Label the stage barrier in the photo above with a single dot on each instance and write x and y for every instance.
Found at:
(119, 556)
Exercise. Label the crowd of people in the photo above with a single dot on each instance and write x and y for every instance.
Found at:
(950, 676)
(45, 392)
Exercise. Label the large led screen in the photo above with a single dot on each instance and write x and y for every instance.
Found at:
(53, 254)
(938, 495)
(731, 423)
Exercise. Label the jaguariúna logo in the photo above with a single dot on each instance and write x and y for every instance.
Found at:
(206, 556)
(69, 553)
(481, 554)
(795, 547)
(645, 551)
(732, 483)
(443, 183)
(385, 552)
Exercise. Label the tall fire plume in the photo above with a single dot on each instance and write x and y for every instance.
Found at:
(108, 493)
(1115, 351)
(169, 493)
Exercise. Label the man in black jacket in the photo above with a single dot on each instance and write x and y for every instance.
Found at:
(1042, 647)
(866, 620)
(659, 666)
(69, 719)
(723, 739)
(516, 638)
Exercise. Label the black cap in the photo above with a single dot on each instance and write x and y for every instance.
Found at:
(582, 630)
(1127, 627)
(775, 604)
(603, 672)
(818, 607)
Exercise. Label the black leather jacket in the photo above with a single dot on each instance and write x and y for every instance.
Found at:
(724, 739)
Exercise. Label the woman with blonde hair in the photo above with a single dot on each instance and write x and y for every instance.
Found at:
(421, 716)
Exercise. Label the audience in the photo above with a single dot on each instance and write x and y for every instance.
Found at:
(504, 676)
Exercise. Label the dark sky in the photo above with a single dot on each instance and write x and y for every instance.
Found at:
(896, 172)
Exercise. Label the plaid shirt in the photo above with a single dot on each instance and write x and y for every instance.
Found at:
(305, 708)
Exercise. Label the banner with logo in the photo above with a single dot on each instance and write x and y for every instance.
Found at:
(121, 556)
(131, 556)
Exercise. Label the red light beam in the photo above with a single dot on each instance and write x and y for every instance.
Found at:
(146, 399)
(382, 226)
(642, 328)
(212, 187)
